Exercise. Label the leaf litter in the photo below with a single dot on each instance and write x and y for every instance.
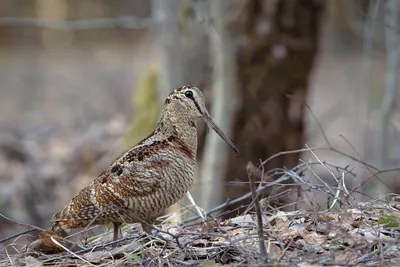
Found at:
(352, 236)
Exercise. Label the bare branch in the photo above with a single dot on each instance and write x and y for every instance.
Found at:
(20, 224)
(17, 235)
(123, 22)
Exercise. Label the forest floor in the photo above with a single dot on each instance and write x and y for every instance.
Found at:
(346, 233)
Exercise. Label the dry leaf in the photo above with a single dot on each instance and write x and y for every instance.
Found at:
(32, 262)
(312, 238)
(328, 217)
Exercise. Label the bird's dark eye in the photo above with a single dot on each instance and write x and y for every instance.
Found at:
(189, 94)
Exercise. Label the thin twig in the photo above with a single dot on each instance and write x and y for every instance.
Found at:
(284, 251)
(66, 249)
(296, 151)
(260, 228)
(337, 194)
(200, 211)
(91, 249)
(21, 224)
(17, 235)
(319, 124)
(312, 152)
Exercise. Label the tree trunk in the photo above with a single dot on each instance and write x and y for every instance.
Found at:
(223, 103)
(392, 8)
(182, 44)
(275, 62)
(166, 34)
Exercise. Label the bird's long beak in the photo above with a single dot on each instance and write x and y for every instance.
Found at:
(210, 122)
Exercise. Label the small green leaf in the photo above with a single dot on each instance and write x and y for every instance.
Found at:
(135, 259)
(389, 221)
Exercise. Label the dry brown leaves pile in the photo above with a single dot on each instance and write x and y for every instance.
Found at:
(366, 235)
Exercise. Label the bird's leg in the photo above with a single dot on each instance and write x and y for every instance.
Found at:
(116, 230)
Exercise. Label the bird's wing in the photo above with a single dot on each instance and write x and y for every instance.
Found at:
(92, 202)
(133, 175)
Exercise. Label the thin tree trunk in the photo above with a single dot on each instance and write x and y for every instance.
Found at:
(392, 9)
(167, 36)
(223, 104)
(365, 97)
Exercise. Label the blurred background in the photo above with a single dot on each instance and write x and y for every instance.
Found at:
(82, 81)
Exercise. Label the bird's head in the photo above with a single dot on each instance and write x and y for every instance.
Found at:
(187, 104)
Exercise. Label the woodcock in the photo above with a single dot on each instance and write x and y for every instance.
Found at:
(149, 177)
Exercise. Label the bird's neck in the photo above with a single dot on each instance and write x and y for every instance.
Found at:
(182, 129)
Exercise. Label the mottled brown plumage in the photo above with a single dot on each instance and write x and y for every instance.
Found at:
(149, 177)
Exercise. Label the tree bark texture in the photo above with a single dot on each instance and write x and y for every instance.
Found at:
(275, 60)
